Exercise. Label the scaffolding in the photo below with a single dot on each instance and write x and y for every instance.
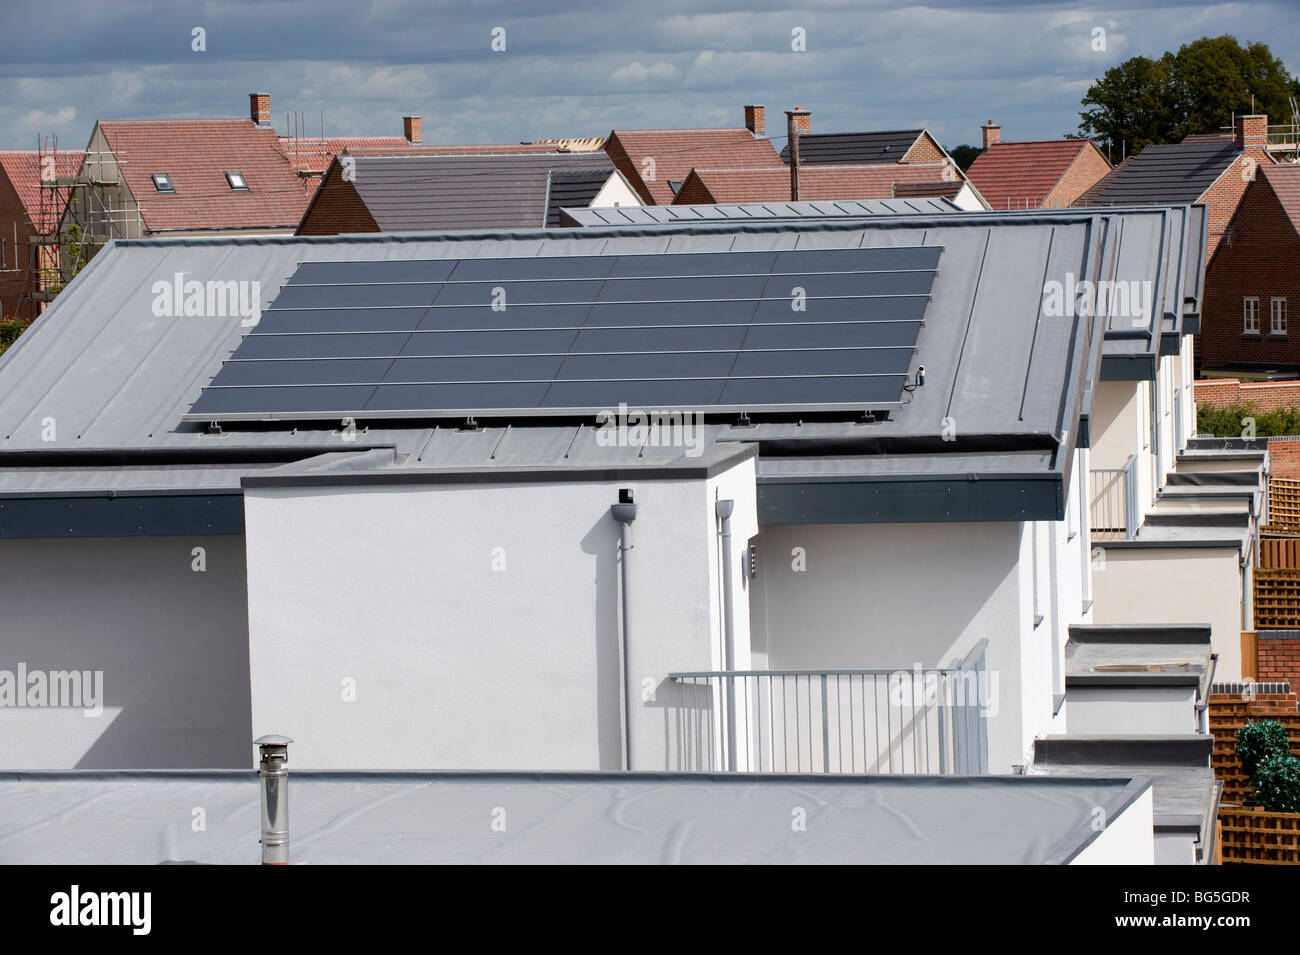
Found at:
(1284, 138)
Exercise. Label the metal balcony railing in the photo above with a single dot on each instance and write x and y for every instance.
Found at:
(833, 721)
(1113, 496)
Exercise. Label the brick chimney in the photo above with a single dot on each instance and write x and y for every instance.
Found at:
(411, 129)
(259, 108)
(754, 119)
(802, 120)
(1251, 131)
(991, 134)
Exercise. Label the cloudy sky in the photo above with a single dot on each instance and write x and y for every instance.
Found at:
(573, 68)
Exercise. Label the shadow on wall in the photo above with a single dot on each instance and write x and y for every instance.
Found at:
(170, 640)
(602, 542)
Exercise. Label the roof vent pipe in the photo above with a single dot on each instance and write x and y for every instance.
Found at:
(625, 513)
(275, 799)
(725, 509)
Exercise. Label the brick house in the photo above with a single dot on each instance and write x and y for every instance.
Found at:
(657, 161)
(467, 189)
(1035, 174)
(186, 177)
(1205, 168)
(1253, 279)
(29, 221)
(827, 182)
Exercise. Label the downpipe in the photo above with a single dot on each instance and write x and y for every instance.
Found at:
(625, 513)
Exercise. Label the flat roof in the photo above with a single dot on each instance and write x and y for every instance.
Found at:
(92, 817)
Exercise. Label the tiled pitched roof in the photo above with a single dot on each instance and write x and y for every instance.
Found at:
(23, 169)
(1089, 197)
(573, 189)
(913, 190)
(459, 149)
(1170, 174)
(1020, 175)
(857, 149)
(1284, 180)
(677, 151)
(815, 182)
(196, 154)
(408, 193)
(314, 154)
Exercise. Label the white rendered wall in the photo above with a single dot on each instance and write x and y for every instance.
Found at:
(1121, 426)
(615, 192)
(477, 626)
(903, 595)
(1174, 586)
(1128, 839)
(1109, 710)
(171, 642)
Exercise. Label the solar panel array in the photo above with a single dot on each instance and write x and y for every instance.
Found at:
(562, 335)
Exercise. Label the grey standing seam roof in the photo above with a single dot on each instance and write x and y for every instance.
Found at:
(468, 191)
(118, 378)
(557, 818)
(888, 146)
(745, 211)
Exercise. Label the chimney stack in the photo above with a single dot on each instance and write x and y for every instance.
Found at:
(259, 108)
(411, 129)
(1251, 131)
(754, 119)
(992, 134)
(797, 123)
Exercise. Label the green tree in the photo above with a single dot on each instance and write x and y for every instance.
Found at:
(964, 155)
(1196, 90)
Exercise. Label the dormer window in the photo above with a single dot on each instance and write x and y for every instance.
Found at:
(675, 185)
(162, 182)
(236, 180)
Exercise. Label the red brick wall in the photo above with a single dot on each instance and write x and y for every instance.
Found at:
(924, 149)
(1279, 659)
(1264, 395)
(617, 154)
(1259, 256)
(337, 208)
(693, 193)
(1224, 196)
(1284, 459)
(15, 279)
(1088, 167)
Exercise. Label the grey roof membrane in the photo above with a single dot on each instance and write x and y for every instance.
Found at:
(1171, 174)
(113, 375)
(745, 211)
(889, 146)
(471, 191)
(640, 818)
(1185, 790)
(1137, 657)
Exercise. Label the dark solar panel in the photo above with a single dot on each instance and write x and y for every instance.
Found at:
(725, 331)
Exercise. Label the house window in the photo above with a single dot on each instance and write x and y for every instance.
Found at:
(675, 185)
(162, 182)
(1277, 316)
(236, 180)
(1250, 316)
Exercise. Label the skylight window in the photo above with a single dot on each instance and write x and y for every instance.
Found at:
(236, 180)
(162, 182)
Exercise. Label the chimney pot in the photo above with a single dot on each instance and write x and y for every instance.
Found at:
(411, 129)
(990, 134)
(754, 120)
(259, 108)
